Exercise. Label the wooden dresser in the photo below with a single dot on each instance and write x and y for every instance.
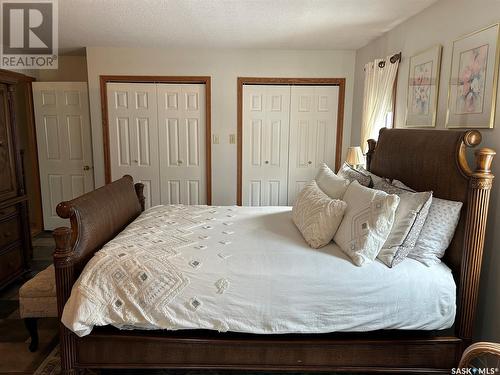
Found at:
(15, 239)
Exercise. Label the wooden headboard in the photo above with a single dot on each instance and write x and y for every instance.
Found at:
(436, 160)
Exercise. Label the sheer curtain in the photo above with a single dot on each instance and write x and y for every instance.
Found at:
(378, 96)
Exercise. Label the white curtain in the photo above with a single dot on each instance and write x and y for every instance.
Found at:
(378, 100)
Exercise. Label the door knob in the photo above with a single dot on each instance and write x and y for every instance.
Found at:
(179, 161)
(86, 168)
(267, 162)
(309, 162)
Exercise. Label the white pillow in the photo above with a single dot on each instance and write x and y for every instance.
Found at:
(367, 222)
(438, 230)
(316, 215)
(331, 184)
(410, 217)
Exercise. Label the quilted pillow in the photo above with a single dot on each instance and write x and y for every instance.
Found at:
(410, 217)
(367, 222)
(331, 184)
(349, 173)
(437, 231)
(316, 215)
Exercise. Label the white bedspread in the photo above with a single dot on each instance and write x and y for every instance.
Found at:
(247, 269)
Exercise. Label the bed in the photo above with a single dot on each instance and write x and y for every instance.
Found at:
(318, 311)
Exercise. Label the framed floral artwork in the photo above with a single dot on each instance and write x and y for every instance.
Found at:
(423, 88)
(473, 80)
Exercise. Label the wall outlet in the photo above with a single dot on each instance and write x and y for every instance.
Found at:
(215, 139)
(232, 139)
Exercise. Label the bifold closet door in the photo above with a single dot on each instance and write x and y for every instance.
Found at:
(266, 115)
(313, 130)
(182, 151)
(133, 135)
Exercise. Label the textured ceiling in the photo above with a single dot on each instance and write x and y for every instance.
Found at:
(282, 24)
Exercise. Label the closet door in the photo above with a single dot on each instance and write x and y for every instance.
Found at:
(182, 149)
(266, 117)
(133, 135)
(313, 129)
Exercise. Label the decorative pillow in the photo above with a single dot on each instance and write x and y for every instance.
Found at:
(374, 177)
(438, 230)
(367, 222)
(410, 217)
(349, 173)
(330, 183)
(316, 215)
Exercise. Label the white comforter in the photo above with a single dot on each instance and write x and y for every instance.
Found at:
(247, 269)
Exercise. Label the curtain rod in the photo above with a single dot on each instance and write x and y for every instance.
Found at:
(393, 59)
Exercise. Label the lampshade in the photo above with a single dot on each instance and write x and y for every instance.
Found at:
(355, 156)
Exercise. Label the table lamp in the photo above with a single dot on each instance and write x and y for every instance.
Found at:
(355, 156)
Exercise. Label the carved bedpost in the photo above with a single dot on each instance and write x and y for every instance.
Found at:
(481, 181)
(139, 190)
(63, 264)
(372, 143)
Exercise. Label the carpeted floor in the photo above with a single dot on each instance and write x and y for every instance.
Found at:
(15, 358)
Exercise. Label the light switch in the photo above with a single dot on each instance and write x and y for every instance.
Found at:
(232, 139)
(215, 139)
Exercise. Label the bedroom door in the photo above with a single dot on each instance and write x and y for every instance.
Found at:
(313, 129)
(64, 145)
(266, 118)
(181, 135)
(133, 135)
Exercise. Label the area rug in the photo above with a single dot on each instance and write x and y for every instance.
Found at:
(52, 366)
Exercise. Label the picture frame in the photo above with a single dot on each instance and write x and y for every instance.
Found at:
(472, 89)
(423, 88)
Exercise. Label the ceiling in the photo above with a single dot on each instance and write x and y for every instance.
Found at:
(281, 24)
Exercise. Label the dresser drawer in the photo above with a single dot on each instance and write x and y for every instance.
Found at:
(10, 263)
(7, 211)
(9, 231)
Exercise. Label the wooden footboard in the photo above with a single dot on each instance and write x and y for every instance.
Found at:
(95, 218)
(425, 160)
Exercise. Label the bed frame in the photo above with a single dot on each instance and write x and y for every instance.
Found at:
(424, 159)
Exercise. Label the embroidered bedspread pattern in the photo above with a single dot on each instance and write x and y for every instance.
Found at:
(247, 269)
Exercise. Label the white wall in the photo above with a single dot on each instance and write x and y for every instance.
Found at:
(70, 69)
(224, 66)
(442, 23)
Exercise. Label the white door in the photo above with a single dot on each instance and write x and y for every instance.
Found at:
(133, 135)
(64, 144)
(182, 148)
(266, 116)
(313, 130)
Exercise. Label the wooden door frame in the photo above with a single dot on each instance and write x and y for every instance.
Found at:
(205, 80)
(340, 82)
